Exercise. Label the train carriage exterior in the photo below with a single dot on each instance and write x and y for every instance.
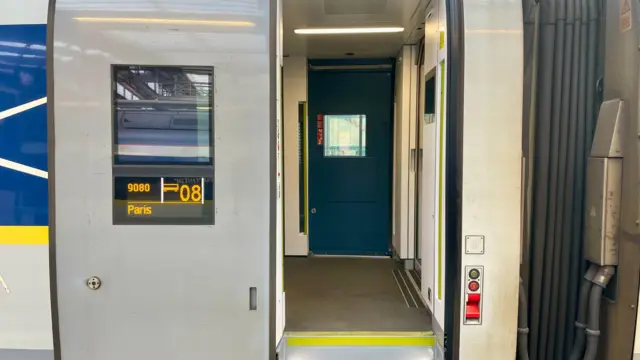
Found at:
(24, 252)
(472, 123)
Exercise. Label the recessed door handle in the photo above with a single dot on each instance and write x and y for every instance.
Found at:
(313, 210)
(413, 160)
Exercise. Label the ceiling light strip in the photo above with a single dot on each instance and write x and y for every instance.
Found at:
(327, 31)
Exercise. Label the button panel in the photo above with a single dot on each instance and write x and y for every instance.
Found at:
(473, 295)
(474, 244)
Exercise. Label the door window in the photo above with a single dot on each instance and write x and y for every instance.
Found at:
(345, 135)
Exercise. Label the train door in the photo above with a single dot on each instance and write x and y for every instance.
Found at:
(474, 48)
(163, 186)
(350, 160)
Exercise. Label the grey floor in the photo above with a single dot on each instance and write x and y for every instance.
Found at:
(347, 294)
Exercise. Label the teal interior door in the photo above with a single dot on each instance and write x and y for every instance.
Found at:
(350, 160)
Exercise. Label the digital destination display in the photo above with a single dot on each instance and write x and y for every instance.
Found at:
(163, 200)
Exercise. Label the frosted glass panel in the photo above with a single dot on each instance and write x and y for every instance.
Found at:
(345, 135)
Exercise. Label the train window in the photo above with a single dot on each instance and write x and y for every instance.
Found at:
(162, 115)
(345, 135)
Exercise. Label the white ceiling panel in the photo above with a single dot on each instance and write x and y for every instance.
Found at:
(351, 13)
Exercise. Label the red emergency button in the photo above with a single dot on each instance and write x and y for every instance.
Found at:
(473, 307)
(474, 286)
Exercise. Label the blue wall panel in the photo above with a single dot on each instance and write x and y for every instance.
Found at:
(23, 136)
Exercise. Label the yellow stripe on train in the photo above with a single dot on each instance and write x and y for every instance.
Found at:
(24, 235)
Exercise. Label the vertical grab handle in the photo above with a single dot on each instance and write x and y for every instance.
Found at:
(253, 298)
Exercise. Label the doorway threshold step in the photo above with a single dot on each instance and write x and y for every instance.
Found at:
(333, 345)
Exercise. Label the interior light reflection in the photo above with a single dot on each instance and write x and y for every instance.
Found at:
(167, 21)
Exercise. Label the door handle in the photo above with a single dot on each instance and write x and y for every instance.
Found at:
(313, 210)
(413, 160)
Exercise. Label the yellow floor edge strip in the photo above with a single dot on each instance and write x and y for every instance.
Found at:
(360, 341)
(357, 333)
(360, 338)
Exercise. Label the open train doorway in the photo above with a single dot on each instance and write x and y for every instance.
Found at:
(349, 281)
(473, 187)
(346, 264)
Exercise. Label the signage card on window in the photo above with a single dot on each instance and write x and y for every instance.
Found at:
(319, 129)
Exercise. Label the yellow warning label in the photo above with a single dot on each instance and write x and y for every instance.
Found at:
(441, 39)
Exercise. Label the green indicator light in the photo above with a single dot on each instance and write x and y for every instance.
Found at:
(474, 274)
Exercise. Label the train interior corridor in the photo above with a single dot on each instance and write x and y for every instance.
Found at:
(352, 203)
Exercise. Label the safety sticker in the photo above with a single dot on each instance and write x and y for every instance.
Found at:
(625, 15)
